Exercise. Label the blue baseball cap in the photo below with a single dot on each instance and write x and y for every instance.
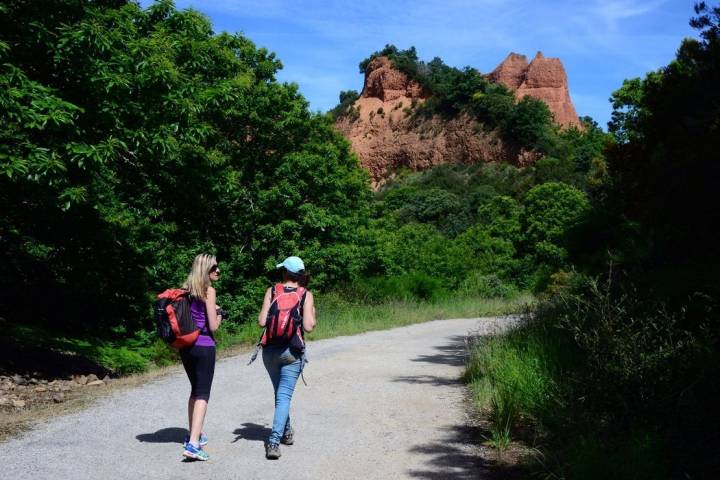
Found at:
(293, 265)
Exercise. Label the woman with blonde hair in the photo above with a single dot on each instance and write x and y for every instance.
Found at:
(199, 359)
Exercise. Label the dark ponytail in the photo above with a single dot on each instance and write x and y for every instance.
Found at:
(301, 278)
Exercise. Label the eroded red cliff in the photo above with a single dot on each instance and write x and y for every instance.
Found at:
(543, 78)
(386, 137)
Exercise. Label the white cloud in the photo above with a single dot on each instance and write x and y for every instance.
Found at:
(321, 42)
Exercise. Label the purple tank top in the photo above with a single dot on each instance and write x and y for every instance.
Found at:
(199, 314)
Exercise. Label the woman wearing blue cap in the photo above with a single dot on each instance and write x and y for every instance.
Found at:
(288, 311)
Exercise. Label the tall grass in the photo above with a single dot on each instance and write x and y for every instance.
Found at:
(515, 374)
(336, 317)
(615, 384)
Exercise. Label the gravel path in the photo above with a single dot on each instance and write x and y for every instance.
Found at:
(380, 405)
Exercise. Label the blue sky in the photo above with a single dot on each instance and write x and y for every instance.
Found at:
(320, 43)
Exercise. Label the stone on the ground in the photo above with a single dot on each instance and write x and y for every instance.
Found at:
(95, 383)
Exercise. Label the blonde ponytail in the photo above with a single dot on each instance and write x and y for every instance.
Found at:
(198, 280)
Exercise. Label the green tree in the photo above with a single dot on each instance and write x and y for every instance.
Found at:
(665, 164)
(132, 139)
(530, 125)
(550, 211)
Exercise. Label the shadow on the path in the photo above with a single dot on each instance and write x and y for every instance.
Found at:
(426, 380)
(452, 353)
(164, 435)
(457, 456)
(253, 432)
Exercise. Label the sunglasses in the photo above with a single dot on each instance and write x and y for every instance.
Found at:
(214, 269)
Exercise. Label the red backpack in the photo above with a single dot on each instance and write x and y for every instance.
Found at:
(174, 320)
(284, 319)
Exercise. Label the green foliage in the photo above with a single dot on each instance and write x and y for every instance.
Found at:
(516, 375)
(631, 359)
(494, 105)
(530, 125)
(142, 139)
(487, 286)
(501, 217)
(122, 360)
(667, 132)
(551, 210)
(411, 286)
(405, 60)
(600, 360)
(443, 209)
(641, 457)
(481, 252)
(345, 107)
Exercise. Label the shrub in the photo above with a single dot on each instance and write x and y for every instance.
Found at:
(551, 210)
(501, 216)
(443, 209)
(410, 286)
(122, 360)
(482, 253)
(162, 355)
(486, 286)
(345, 107)
(530, 125)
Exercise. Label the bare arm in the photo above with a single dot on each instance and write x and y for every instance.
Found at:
(309, 312)
(262, 317)
(211, 307)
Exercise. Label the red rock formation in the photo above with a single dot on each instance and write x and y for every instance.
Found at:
(385, 139)
(544, 79)
(383, 81)
(511, 72)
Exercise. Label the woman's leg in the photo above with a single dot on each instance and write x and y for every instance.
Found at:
(289, 374)
(191, 406)
(190, 364)
(198, 418)
(271, 361)
(197, 405)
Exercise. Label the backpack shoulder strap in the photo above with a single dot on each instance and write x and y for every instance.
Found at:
(301, 292)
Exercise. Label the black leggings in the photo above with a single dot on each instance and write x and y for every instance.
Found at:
(199, 363)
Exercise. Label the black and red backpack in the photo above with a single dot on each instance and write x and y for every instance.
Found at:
(174, 320)
(283, 325)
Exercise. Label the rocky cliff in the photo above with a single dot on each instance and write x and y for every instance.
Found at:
(543, 78)
(386, 137)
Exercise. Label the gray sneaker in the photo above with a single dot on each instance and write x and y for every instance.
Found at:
(272, 451)
(288, 437)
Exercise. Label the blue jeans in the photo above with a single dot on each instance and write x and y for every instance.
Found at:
(284, 370)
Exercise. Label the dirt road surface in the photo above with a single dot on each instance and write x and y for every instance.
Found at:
(380, 405)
